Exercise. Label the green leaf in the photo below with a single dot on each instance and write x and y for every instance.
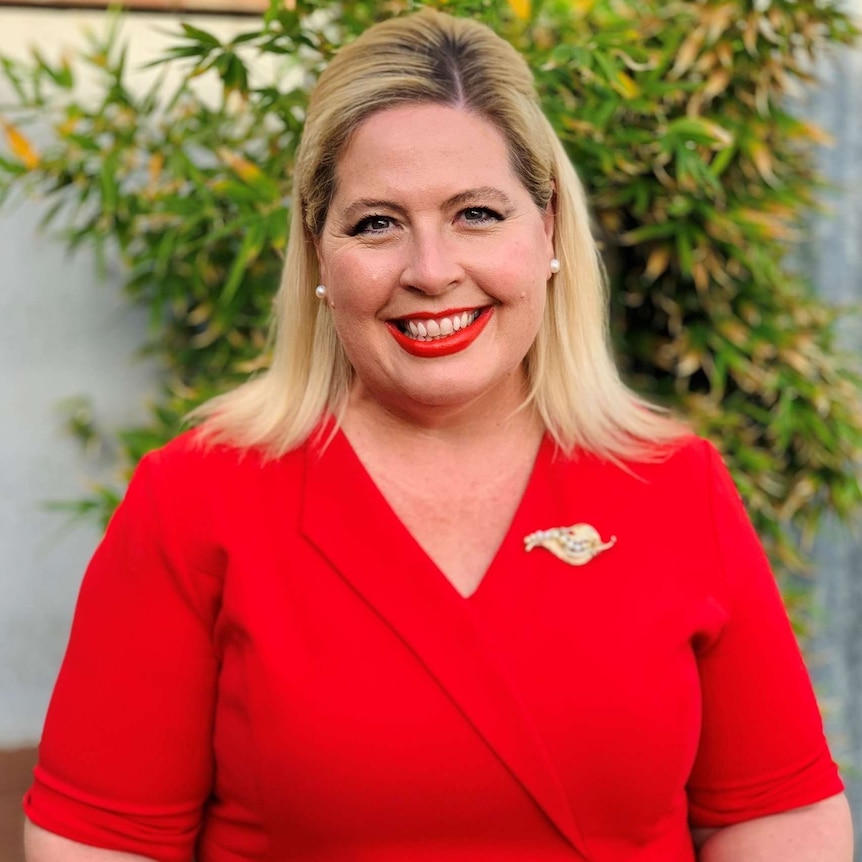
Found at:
(199, 35)
(665, 172)
(250, 248)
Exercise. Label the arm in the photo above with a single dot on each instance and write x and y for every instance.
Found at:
(816, 833)
(125, 761)
(42, 846)
(764, 785)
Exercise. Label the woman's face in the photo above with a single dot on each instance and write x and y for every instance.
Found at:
(435, 259)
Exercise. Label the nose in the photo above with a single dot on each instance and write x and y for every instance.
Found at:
(432, 264)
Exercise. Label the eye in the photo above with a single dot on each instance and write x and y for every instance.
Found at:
(480, 215)
(374, 224)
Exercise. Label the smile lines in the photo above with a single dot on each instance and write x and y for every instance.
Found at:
(433, 328)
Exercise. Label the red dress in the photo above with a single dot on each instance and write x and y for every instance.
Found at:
(264, 665)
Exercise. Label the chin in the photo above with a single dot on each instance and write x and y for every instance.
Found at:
(454, 393)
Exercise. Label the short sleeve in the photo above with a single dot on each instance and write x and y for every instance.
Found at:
(762, 749)
(125, 761)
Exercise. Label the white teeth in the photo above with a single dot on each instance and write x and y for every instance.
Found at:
(428, 330)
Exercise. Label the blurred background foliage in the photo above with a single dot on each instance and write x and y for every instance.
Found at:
(679, 117)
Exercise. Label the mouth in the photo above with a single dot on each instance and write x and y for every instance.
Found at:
(427, 328)
(431, 335)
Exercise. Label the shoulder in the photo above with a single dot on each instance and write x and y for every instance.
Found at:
(206, 493)
(665, 506)
(195, 502)
(189, 461)
(690, 459)
(689, 467)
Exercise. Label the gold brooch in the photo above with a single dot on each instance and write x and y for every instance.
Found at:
(575, 545)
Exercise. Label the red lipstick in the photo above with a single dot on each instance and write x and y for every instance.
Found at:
(444, 345)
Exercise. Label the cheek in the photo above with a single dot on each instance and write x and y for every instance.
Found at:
(536, 313)
(361, 341)
(525, 270)
(357, 301)
(533, 302)
(529, 256)
(358, 285)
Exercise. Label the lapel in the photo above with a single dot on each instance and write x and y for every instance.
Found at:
(347, 518)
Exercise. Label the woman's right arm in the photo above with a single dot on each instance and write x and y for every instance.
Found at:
(43, 846)
(126, 758)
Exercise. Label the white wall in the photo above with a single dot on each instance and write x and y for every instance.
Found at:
(63, 333)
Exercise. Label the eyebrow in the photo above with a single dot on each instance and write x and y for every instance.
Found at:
(485, 193)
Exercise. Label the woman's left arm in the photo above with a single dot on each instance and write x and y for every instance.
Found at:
(816, 833)
(763, 786)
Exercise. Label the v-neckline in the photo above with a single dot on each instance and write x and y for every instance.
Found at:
(358, 534)
(544, 455)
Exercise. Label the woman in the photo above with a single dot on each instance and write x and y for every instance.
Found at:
(436, 586)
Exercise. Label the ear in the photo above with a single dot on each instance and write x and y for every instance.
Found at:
(321, 268)
(549, 218)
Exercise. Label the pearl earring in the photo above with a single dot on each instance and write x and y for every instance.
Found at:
(554, 265)
(320, 291)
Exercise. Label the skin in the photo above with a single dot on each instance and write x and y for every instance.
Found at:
(816, 833)
(42, 846)
(458, 230)
(451, 227)
(822, 832)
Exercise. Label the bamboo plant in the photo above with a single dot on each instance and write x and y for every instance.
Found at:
(677, 116)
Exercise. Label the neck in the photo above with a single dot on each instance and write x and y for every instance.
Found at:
(457, 425)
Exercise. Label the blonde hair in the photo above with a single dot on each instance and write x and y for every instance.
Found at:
(431, 57)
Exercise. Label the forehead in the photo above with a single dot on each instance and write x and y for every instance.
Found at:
(415, 146)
